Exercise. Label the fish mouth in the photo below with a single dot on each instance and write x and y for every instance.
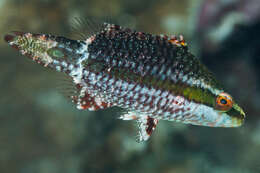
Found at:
(237, 122)
(231, 121)
(237, 116)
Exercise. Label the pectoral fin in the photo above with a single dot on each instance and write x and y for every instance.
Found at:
(146, 124)
(146, 127)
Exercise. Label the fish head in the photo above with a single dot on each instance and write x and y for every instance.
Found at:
(50, 51)
(212, 106)
(225, 112)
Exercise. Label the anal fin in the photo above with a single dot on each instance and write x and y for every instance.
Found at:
(80, 95)
(86, 101)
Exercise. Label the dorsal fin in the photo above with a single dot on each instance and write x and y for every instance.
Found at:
(83, 28)
(178, 42)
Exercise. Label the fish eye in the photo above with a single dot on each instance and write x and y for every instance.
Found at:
(224, 102)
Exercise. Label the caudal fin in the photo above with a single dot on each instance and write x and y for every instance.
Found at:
(58, 53)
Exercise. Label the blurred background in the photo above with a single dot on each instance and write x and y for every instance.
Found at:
(42, 132)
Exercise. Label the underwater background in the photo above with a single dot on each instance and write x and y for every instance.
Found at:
(41, 131)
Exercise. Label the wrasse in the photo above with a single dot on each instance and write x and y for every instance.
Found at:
(152, 77)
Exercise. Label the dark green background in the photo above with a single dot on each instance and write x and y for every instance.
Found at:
(42, 132)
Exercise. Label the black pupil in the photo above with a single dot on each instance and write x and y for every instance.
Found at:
(223, 101)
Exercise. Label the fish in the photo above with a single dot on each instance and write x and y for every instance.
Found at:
(152, 77)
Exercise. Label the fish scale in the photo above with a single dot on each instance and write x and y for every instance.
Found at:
(148, 104)
(103, 40)
(153, 77)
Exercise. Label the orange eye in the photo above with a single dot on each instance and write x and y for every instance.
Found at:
(224, 102)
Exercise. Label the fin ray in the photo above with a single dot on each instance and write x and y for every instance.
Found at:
(83, 28)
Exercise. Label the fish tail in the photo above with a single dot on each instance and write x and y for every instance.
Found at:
(55, 52)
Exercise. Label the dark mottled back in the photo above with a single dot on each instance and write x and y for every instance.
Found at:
(158, 61)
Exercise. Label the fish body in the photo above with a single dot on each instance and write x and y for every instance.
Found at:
(152, 77)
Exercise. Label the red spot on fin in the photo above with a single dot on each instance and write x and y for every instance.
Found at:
(81, 96)
(179, 42)
(146, 124)
(151, 125)
(146, 127)
(86, 101)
